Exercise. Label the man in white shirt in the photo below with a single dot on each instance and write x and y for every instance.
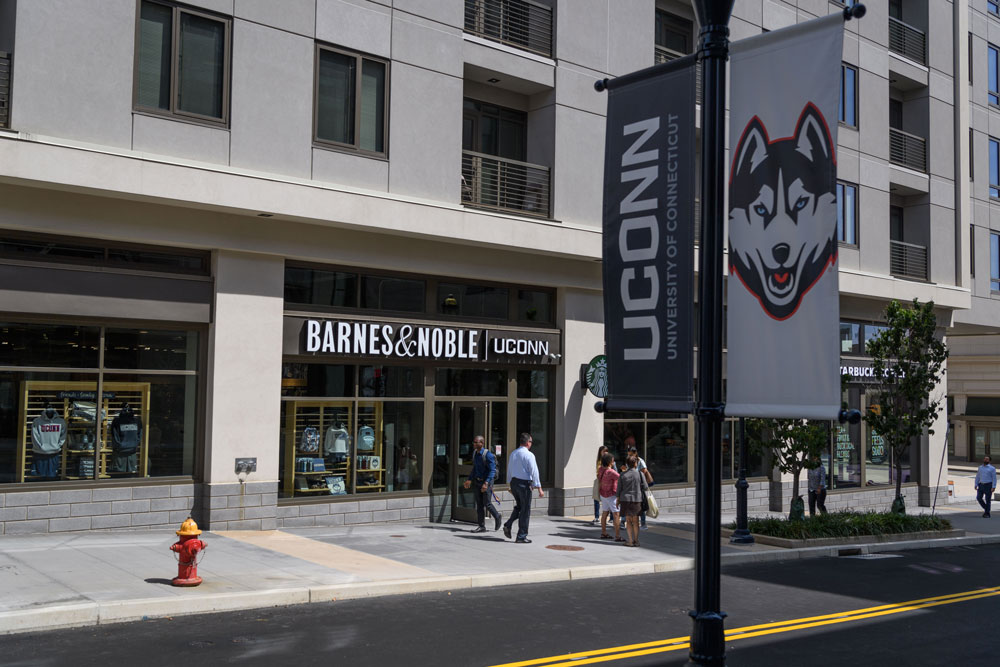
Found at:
(522, 475)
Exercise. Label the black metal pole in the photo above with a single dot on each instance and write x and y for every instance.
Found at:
(742, 533)
(708, 646)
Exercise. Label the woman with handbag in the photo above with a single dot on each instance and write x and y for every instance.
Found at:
(632, 489)
(644, 471)
(597, 487)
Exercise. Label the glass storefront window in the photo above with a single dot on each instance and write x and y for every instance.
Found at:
(872, 332)
(49, 345)
(318, 287)
(534, 306)
(667, 451)
(850, 338)
(151, 350)
(619, 436)
(55, 426)
(533, 384)
(472, 300)
(387, 293)
(318, 380)
(533, 418)
(395, 381)
(470, 382)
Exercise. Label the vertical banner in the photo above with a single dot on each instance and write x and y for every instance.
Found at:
(649, 181)
(783, 295)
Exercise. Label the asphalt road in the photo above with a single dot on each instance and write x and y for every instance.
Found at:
(523, 623)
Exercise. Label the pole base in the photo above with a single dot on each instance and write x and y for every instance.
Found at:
(741, 536)
(708, 639)
(193, 581)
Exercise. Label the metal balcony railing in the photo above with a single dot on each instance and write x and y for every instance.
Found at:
(505, 185)
(907, 41)
(907, 260)
(4, 89)
(907, 150)
(521, 23)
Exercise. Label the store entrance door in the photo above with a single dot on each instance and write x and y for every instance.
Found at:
(985, 442)
(469, 420)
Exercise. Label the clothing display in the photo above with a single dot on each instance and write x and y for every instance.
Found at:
(126, 431)
(48, 432)
(45, 465)
(337, 440)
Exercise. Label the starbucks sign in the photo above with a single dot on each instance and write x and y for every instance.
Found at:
(596, 376)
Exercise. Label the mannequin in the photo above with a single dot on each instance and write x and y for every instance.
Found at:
(336, 443)
(48, 435)
(126, 438)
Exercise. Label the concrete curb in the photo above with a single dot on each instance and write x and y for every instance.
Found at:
(121, 611)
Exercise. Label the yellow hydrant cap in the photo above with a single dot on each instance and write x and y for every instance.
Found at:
(189, 527)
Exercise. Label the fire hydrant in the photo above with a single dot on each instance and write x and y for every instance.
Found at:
(187, 549)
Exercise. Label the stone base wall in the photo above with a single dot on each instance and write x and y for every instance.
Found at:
(111, 508)
(249, 506)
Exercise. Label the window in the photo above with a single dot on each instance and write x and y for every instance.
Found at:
(848, 110)
(971, 59)
(350, 100)
(896, 9)
(674, 36)
(972, 155)
(847, 213)
(995, 262)
(972, 250)
(994, 168)
(993, 75)
(182, 64)
(895, 114)
(896, 223)
(66, 250)
(472, 300)
(993, 7)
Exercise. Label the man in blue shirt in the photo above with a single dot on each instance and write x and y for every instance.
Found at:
(986, 484)
(484, 472)
(522, 475)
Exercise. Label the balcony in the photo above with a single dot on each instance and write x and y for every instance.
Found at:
(4, 89)
(907, 260)
(907, 150)
(907, 41)
(500, 184)
(520, 23)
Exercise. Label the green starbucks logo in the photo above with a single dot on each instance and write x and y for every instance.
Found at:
(597, 376)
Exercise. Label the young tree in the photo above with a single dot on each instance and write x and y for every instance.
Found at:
(907, 359)
(795, 445)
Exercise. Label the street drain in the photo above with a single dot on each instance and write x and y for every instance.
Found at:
(563, 547)
(397, 536)
(873, 556)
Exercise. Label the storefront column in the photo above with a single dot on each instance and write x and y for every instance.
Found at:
(243, 391)
(933, 473)
(579, 428)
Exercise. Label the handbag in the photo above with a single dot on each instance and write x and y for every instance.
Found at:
(652, 509)
(597, 489)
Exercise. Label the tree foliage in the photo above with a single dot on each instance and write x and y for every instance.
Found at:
(908, 360)
(794, 445)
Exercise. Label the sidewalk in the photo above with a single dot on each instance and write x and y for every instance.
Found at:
(82, 579)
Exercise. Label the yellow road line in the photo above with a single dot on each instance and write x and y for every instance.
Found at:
(678, 643)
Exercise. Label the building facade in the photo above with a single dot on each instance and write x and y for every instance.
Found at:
(274, 264)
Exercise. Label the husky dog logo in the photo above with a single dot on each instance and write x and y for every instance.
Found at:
(783, 211)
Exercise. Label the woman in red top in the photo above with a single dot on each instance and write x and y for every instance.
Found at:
(609, 496)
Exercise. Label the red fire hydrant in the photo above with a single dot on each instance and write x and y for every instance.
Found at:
(187, 549)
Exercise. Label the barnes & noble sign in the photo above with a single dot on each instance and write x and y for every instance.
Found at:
(419, 341)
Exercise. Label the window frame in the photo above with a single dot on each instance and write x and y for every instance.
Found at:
(841, 106)
(354, 148)
(994, 184)
(856, 242)
(993, 7)
(994, 262)
(173, 111)
(993, 74)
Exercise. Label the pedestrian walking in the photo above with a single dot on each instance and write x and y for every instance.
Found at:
(817, 489)
(986, 485)
(632, 489)
(484, 472)
(609, 496)
(522, 475)
(644, 471)
(597, 485)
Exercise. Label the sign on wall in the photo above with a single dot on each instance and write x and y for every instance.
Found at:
(783, 296)
(418, 341)
(649, 185)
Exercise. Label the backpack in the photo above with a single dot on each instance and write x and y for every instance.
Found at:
(310, 440)
(366, 439)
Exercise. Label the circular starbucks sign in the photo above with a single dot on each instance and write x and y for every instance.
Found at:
(597, 376)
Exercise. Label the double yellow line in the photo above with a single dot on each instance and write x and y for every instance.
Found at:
(679, 643)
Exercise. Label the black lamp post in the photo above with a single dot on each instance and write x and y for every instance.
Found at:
(708, 646)
(742, 533)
